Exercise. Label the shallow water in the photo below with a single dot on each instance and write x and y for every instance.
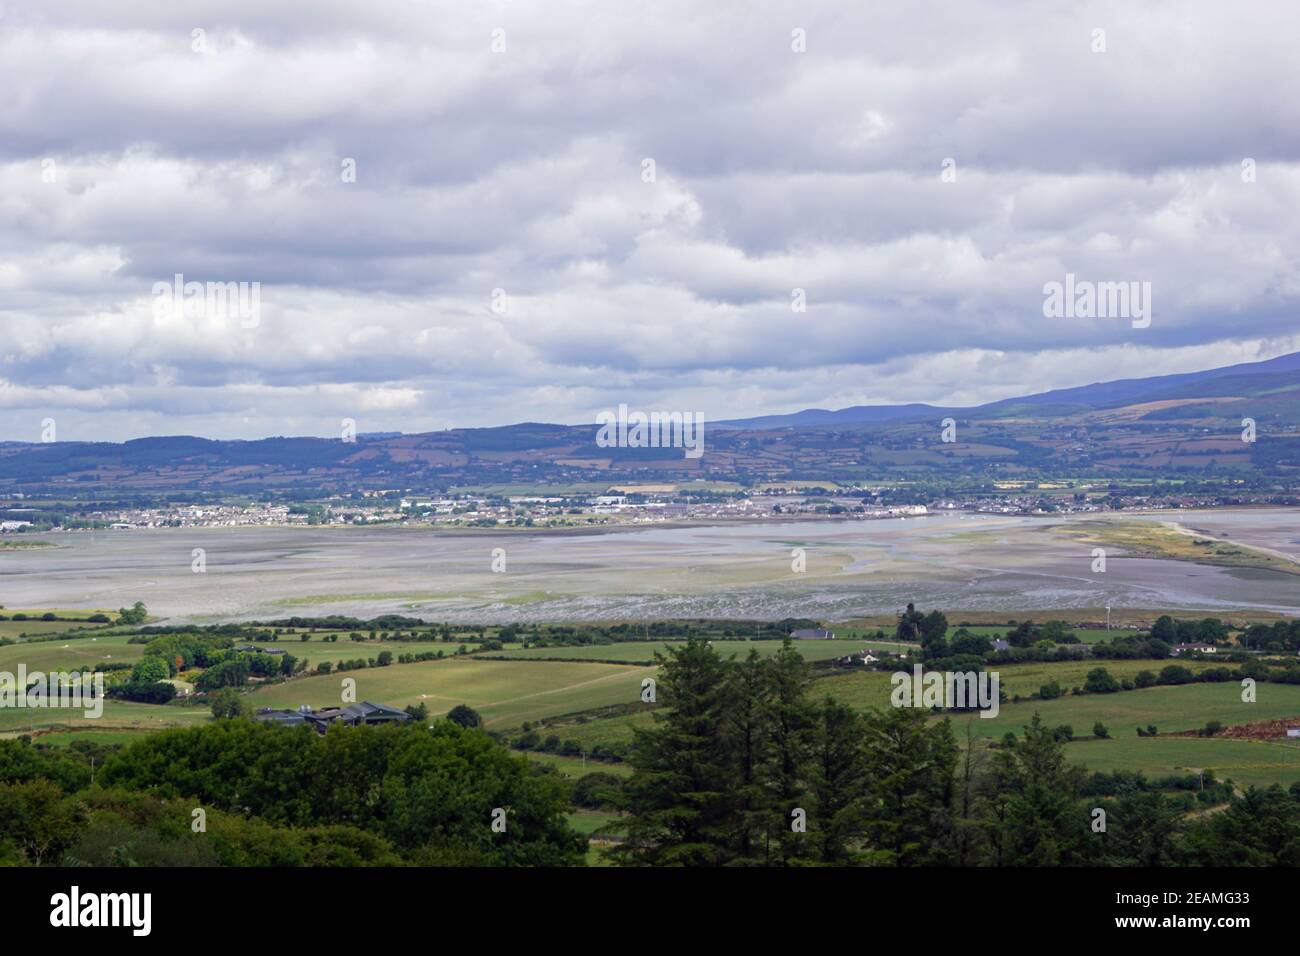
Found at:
(737, 570)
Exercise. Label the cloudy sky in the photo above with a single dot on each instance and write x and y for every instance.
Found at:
(477, 213)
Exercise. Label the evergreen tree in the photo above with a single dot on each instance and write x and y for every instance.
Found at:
(910, 766)
(837, 782)
(746, 739)
(1044, 823)
(680, 791)
(790, 721)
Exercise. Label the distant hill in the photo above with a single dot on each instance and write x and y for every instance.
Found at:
(1169, 425)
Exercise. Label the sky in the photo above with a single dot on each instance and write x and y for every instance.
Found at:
(479, 213)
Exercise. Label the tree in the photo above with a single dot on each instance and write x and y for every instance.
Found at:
(136, 614)
(1141, 830)
(682, 784)
(837, 782)
(464, 716)
(910, 767)
(227, 703)
(789, 719)
(745, 737)
(419, 711)
(1165, 629)
(1100, 681)
(150, 669)
(1041, 823)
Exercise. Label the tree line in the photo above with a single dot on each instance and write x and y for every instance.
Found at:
(742, 768)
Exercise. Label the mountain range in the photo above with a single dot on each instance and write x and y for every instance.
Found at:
(1169, 425)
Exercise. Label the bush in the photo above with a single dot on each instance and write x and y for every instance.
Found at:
(1176, 674)
(227, 703)
(1100, 682)
(465, 716)
(598, 791)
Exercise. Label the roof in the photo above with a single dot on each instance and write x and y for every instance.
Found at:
(369, 709)
(815, 632)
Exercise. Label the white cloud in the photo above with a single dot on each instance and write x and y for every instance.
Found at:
(523, 171)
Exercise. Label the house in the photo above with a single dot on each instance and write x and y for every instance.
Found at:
(1000, 645)
(283, 718)
(1203, 648)
(368, 713)
(813, 634)
(1293, 731)
(353, 715)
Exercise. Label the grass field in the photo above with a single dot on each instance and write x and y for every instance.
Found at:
(13, 629)
(117, 715)
(1171, 709)
(317, 650)
(1245, 762)
(644, 651)
(506, 693)
(575, 766)
(872, 688)
(75, 653)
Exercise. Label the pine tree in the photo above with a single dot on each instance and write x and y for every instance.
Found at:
(746, 739)
(910, 766)
(789, 720)
(837, 782)
(679, 794)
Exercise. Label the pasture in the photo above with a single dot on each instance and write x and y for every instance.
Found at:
(74, 653)
(639, 652)
(506, 693)
(1245, 762)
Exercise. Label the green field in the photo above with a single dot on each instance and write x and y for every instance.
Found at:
(1245, 762)
(634, 652)
(76, 652)
(577, 767)
(1171, 709)
(14, 629)
(588, 822)
(506, 693)
(117, 715)
(317, 650)
(865, 688)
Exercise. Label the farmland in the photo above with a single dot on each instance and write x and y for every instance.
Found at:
(506, 693)
(642, 652)
(587, 695)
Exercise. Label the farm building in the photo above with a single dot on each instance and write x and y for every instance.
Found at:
(813, 634)
(350, 716)
(1203, 648)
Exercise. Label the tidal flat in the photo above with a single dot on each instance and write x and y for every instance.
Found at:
(852, 568)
